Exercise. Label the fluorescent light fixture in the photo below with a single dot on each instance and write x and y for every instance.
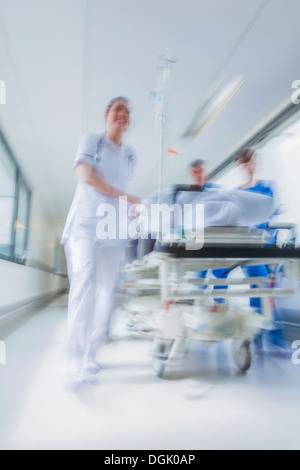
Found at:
(2, 92)
(212, 107)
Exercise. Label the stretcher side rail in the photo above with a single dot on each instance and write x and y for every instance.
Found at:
(229, 251)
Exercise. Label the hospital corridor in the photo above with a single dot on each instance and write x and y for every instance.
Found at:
(149, 227)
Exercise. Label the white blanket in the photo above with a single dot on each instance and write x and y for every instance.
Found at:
(235, 208)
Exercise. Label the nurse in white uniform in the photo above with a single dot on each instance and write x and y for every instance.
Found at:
(104, 166)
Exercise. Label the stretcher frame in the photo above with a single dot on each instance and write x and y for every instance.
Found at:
(160, 279)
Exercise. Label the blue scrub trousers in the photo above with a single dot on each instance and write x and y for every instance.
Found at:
(275, 337)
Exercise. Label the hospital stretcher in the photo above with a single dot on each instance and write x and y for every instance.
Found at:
(172, 305)
(165, 290)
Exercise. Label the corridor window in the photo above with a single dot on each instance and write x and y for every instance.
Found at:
(14, 207)
(7, 201)
(21, 222)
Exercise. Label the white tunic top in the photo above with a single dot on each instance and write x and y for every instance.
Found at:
(115, 164)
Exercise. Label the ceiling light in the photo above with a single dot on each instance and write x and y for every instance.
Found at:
(212, 107)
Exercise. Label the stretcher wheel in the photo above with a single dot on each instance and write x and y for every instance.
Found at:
(242, 355)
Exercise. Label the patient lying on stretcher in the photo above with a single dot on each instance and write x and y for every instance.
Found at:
(218, 208)
(199, 208)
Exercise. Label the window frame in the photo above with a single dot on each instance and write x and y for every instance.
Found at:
(19, 179)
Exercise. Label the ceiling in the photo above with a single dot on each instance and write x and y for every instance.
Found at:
(62, 60)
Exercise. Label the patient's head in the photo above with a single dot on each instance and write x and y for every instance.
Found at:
(247, 159)
(198, 172)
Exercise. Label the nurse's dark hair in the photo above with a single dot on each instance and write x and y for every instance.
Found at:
(197, 163)
(114, 100)
(244, 156)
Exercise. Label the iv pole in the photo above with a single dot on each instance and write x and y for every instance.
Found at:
(160, 96)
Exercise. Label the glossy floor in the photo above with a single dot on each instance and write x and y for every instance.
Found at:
(203, 403)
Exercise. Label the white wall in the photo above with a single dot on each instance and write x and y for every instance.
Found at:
(42, 236)
(23, 284)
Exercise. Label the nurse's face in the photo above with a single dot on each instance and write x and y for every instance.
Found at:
(118, 118)
(250, 167)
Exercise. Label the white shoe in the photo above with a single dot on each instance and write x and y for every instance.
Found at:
(107, 340)
(92, 368)
(72, 372)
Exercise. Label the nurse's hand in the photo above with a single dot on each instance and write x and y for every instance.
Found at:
(134, 210)
(134, 199)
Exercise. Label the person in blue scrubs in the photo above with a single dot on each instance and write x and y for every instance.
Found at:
(246, 159)
(200, 177)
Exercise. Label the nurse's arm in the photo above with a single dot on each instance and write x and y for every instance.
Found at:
(85, 173)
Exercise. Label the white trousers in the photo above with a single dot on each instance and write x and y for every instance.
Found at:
(92, 269)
